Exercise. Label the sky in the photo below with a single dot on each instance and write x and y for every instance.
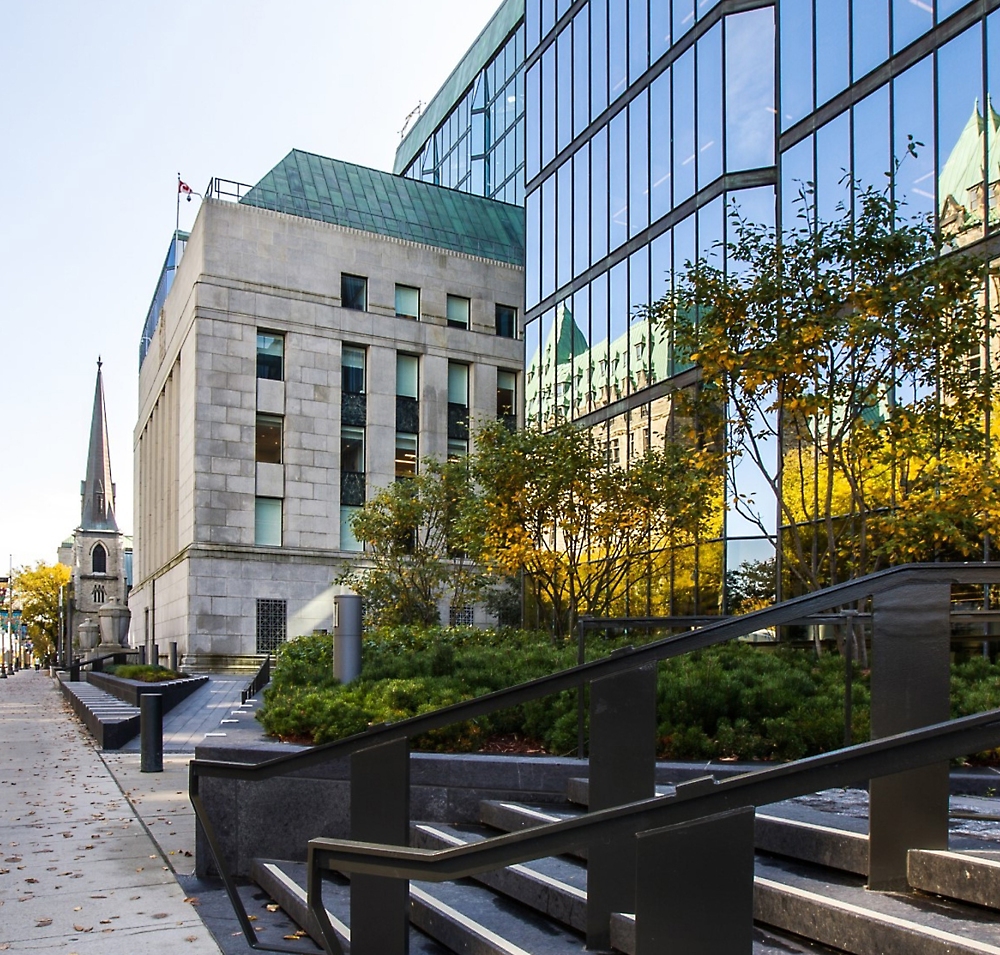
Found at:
(103, 105)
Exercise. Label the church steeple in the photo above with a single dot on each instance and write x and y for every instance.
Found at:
(98, 490)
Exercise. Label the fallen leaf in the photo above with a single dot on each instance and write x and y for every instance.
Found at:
(41, 923)
(272, 907)
(160, 915)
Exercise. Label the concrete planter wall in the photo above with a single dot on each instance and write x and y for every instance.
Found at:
(173, 691)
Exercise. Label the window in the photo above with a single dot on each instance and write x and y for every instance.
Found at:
(407, 370)
(348, 540)
(406, 455)
(458, 311)
(99, 560)
(407, 301)
(458, 384)
(99, 594)
(267, 448)
(506, 321)
(506, 393)
(354, 292)
(352, 450)
(270, 356)
(460, 616)
(353, 370)
(267, 522)
(272, 630)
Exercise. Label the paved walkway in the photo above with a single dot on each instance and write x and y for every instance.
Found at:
(79, 869)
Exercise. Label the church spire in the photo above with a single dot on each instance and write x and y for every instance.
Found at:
(98, 490)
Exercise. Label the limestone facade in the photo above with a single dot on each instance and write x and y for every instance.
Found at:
(204, 501)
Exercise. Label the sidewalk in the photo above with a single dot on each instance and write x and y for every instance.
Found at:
(79, 870)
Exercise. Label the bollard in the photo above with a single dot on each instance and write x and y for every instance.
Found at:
(151, 732)
(173, 655)
(346, 637)
(142, 654)
(154, 657)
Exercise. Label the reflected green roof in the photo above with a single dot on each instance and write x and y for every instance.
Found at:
(315, 187)
(483, 48)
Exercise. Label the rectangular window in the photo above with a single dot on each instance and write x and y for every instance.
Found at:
(267, 522)
(406, 455)
(407, 368)
(407, 302)
(348, 540)
(458, 384)
(506, 321)
(267, 448)
(272, 624)
(352, 363)
(506, 393)
(352, 450)
(354, 292)
(457, 448)
(270, 356)
(458, 311)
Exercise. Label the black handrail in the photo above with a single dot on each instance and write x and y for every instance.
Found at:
(620, 661)
(258, 683)
(96, 664)
(693, 800)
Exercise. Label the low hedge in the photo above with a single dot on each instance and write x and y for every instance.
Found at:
(143, 672)
(733, 701)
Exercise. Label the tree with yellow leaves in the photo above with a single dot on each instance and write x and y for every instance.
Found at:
(36, 590)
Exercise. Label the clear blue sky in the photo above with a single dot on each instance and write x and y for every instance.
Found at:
(103, 104)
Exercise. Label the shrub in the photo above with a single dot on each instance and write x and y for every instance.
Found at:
(144, 672)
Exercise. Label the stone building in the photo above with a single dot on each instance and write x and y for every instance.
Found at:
(320, 336)
(97, 552)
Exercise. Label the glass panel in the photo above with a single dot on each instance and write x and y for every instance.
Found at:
(618, 348)
(871, 140)
(618, 178)
(581, 72)
(267, 443)
(795, 23)
(832, 67)
(506, 321)
(659, 146)
(945, 8)
(750, 90)
(870, 41)
(617, 49)
(684, 255)
(532, 23)
(564, 235)
(406, 455)
(659, 29)
(548, 111)
(532, 248)
(354, 292)
(683, 17)
(267, 522)
(458, 311)
(797, 185)
(710, 106)
(270, 356)
(598, 57)
(910, 19)
(961, 143)
(913, 103)
(352, 363)
(833, 163)
(548, 236)
(506, 393)
(564, 88)
(640, 365)
(407, 373)
(548, 369)
(581, 204)
(710, 232)
(638, 130)
(661, 278)
(532, 373)
(638, 59)
(352, 450)
(582, 360)
(533, 122)
(599, 366)
(993, 128)
(347, 539)
(458, 384)
(683, 113)
(599, 195)
(407, 301)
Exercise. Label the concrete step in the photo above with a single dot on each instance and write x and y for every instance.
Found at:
(968, 876)
(111, 722)
(445, 917)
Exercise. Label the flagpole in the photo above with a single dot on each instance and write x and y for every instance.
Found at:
(177, 221)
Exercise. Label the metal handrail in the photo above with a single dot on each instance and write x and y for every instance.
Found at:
(616, 663)
(790, 611)
(691, 801)
(258, 683)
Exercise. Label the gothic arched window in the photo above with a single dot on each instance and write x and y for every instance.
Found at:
(100, 560)
(99, 594)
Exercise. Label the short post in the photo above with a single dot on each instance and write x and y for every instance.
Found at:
(151, 732)
(173, 655)
(346, 637)
(142, 654)
(155, 656)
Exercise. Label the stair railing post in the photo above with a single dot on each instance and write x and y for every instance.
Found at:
(910, 688)
(380, 812)
(622, 770)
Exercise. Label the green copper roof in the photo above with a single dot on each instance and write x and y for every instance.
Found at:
(304, 184)
(485, 45)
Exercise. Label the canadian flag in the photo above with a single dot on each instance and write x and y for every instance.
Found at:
(183, 188)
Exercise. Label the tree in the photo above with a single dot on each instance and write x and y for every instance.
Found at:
(841, 359)
(551, 506)
(36, 589)
(414, 555)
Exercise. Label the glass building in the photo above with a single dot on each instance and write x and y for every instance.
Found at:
(644, 122)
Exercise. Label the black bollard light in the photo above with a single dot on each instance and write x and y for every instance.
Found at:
(151, 732)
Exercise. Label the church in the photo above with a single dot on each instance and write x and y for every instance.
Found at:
(97, 552)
